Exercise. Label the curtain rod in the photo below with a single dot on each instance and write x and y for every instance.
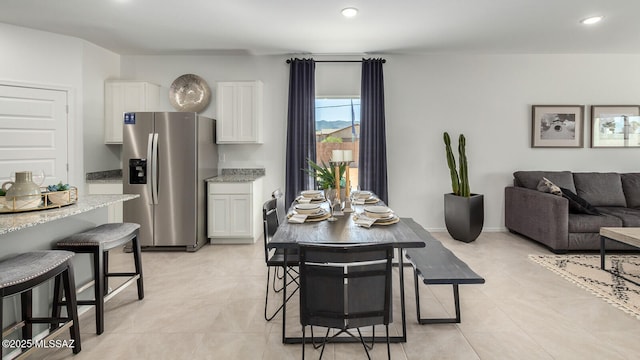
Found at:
(337, 61)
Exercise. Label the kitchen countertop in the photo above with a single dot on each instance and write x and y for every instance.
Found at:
(233, 178)
(105, 177)
(237, 175)
(226, 175)
(10, 222)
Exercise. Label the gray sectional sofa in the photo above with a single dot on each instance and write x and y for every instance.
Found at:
(546, 218)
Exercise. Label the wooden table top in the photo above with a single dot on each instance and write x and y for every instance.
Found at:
(627, 235)
(344, 231)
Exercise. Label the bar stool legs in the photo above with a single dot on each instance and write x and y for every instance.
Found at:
(97, 242)
(137, 260)
(20, 274)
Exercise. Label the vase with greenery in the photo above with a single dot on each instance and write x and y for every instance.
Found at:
(463, 210)
(325, 175)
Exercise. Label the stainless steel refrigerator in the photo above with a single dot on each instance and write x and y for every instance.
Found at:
(166, 157)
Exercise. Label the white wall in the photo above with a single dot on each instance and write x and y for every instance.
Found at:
(487, 97)
(44, 59)
(272, 70)
(98, 64)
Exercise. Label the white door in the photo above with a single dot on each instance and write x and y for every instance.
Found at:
(33, 132)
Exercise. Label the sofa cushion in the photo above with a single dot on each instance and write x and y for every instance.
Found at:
(631, 188)
(600, 189)
(530, 179)
(545, 185)
(629, 217)
(577, 204)
(581, 223)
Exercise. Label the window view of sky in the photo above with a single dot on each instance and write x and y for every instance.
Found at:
(338, 109)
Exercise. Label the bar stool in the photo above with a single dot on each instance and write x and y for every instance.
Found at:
(97, 242)
(21, 273)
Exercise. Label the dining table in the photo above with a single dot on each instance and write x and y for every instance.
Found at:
(345, 231)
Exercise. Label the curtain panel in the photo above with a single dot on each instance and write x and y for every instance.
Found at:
(373, 143)
(301, 127)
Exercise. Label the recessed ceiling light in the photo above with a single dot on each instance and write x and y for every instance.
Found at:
(349, 12)
(591, 20)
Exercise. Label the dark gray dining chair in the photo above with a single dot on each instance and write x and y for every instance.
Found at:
(345, 287)
(274, 258)
(280, 205)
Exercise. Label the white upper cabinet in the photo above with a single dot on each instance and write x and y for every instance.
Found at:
(126, 96)
(239, 117)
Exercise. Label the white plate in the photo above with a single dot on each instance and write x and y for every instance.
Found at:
(388, 215)
(363, 195)
(318, 213)
(378, 209)
(313, 194)
(307, 206)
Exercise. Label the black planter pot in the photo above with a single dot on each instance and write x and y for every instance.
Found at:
(464, 216)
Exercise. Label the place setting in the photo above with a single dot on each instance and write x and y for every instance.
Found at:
(308, 212)
(363, 197)
(375, 215)
(310, 196)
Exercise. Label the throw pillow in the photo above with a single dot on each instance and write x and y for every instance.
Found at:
(578, 204)
(545, 185)
(631, 187)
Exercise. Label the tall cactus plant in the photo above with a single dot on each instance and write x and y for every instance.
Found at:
(451, 161)
(459, 184)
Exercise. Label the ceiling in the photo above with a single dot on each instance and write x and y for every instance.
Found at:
(316, 27)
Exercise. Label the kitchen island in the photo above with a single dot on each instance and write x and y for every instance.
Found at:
(40, 230)
(12, 222)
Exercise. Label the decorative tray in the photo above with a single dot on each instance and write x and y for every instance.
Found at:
(47, 200)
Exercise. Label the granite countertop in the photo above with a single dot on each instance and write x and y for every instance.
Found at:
(10, 222)
(226, 175)
(105, 177)
(237, 175)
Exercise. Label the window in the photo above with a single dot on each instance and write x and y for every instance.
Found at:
(338, 127)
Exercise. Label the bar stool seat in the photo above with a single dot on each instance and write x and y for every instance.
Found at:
(21, 273)
(97, 242)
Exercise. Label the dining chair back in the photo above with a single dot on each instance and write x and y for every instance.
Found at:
(280, 205)
(345, 287)
(270, 223)
(275, 257)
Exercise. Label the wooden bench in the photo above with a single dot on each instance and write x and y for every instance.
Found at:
(437, 265)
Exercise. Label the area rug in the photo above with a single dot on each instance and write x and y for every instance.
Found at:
(584, 270)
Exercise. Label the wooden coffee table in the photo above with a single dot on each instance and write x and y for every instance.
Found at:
(625, 235)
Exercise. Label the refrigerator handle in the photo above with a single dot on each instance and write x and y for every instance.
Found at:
(149, 169)
(154, 169)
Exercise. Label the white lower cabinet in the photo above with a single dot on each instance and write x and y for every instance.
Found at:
(234, 212)
(115, 210)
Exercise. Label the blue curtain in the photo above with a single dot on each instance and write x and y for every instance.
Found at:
(373, 144)
(301, 127)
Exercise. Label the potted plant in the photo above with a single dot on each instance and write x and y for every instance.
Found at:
(463, 210)
(59, 194)
(326, 175)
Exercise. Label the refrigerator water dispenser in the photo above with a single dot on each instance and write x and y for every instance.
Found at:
(137, 171)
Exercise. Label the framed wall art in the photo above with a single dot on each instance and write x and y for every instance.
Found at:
(557, 126)
(615, 126)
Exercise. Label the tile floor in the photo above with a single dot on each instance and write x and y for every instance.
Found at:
(209, 305)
